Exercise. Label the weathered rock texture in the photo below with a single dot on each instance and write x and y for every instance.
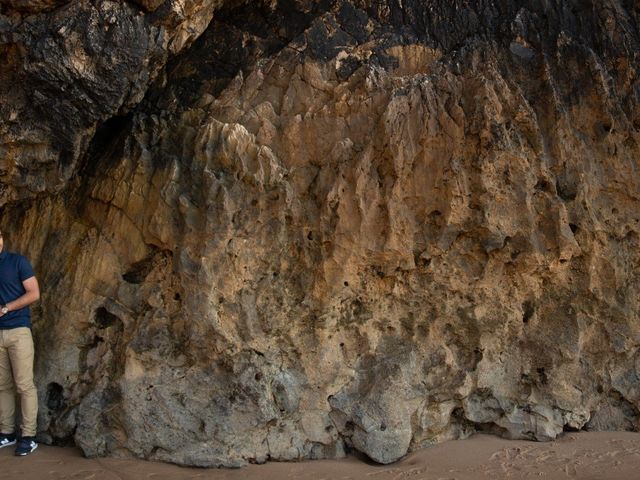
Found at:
(325, 225)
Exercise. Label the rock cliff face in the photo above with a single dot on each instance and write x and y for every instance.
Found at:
(282, 229)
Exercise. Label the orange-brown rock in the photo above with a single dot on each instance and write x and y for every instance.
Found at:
(333, 225)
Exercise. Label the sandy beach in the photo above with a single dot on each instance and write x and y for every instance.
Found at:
(581, 455)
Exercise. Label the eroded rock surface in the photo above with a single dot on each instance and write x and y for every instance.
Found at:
(325, 225)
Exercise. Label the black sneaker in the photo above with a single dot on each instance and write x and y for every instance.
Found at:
(25, 446)
(7, 439)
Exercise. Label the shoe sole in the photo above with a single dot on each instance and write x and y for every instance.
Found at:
(8, 444)
(26, 453)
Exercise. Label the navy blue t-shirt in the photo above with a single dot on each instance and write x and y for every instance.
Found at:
(14, 269)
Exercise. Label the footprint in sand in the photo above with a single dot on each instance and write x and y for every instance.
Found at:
(409, 473)
(546, 456)
(511, 453)
(83, 474)
(88, 474)
(383, 472)
(570, 471)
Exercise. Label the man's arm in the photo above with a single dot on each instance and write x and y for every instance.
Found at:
(31, 295)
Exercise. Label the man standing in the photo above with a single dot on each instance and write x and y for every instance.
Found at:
(18, 289)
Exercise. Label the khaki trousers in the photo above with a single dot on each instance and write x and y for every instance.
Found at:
(16, 366)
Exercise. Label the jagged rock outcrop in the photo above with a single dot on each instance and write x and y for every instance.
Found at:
(69, 69)
(325, 225)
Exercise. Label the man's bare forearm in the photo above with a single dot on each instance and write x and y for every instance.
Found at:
(31, 294)
(23, 301)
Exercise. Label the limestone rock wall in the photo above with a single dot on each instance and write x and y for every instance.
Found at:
(279, 230)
